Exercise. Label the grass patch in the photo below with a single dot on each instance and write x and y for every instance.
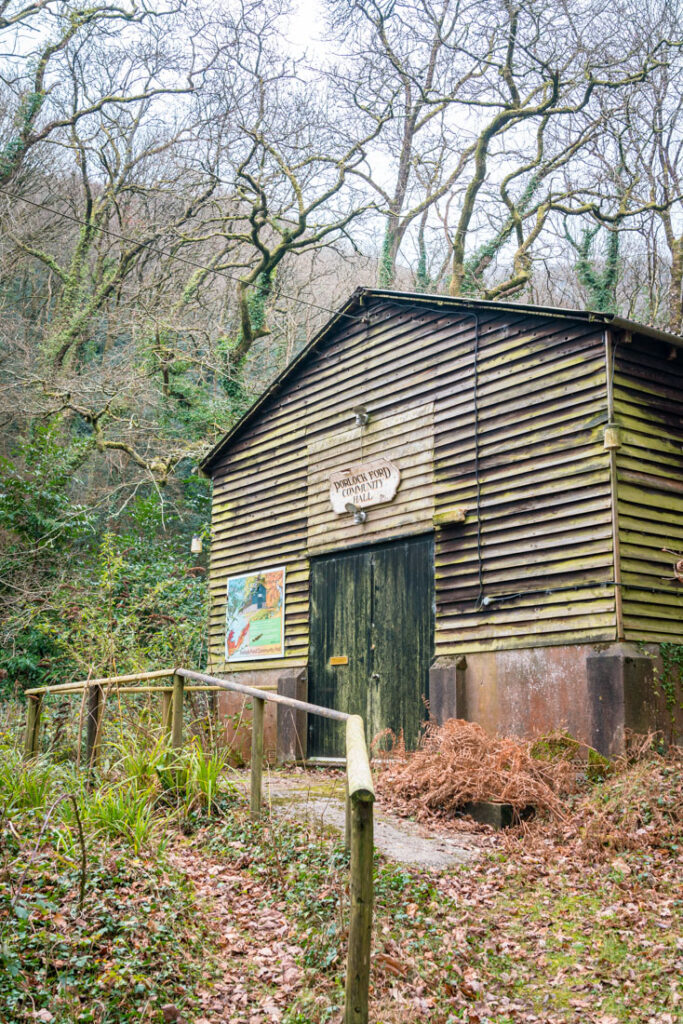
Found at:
(116, 938)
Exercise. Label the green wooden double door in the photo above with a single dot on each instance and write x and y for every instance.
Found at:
(372, 638)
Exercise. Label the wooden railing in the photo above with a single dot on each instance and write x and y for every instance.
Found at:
(360, 792)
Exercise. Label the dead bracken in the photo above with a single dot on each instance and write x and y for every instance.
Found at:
(458, 763)
(633, 802)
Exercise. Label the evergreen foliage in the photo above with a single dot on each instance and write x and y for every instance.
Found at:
(599, 277)
(87, 592)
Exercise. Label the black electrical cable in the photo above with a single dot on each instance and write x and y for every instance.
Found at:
(170, 255)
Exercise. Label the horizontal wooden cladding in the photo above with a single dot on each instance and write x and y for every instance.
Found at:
(649, 464)
(556, 448)
(407, 440)
(643, 503)
(242, 530)
(462, 587)
(663, 483)
(259, 507)
(524, 480)
(581, 632)
(546, 509)
(537, 618)
(235, 486)
(505, 549)
(402, 342)
(543, 472)
(382, 377)
(353, 377)
(458, 581)
(652, 627)
(655, 617)
(524, 428)
(529, 498)
(377, 433)
(544, 516)
(650, 394)
(257, 555)
(542, 386)
(642, 445)
(530, 595)
(645, 421)
(665, 390)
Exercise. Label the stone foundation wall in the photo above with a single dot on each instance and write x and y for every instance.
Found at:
(284, 732)
(595, 692)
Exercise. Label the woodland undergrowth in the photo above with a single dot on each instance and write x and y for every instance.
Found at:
(95, 922)
(632, 802)
(184, 910)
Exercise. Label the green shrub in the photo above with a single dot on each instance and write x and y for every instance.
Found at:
(124, 812)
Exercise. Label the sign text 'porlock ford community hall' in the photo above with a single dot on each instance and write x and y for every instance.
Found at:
(364, 484)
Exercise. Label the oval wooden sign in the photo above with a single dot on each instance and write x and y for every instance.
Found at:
(364, 484)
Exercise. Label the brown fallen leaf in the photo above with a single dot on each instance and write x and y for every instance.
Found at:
(391, 964)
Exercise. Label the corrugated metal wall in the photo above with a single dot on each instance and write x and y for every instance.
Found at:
(648, 406)
(545, 484)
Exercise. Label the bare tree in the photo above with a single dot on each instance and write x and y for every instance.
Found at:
(285, 163)
(39, 41)
(410, 57)
(493, 107)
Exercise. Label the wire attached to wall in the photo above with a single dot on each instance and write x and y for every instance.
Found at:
(546, 591)
(475, 401)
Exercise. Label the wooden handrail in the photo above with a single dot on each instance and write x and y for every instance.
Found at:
(359, 826)
(123, 689)
(104, 681)
(358, 772)
(359, 787)
(253, 691)
(359, 830)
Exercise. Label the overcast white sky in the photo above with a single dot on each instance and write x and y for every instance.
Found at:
(306, 25)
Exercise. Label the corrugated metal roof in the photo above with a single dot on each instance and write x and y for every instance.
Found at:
(420, 299)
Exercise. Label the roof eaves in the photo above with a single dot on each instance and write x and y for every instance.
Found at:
(589, 315)
(359, 295)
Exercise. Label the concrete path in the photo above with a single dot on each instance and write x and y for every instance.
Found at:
(306, 796)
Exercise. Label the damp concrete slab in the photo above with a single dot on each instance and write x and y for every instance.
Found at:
(321, 802)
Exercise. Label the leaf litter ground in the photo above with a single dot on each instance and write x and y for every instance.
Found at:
(575, 916)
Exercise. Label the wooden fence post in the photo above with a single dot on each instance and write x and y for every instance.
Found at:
(32, 735)
(347, 817)
(166, 712)
(361, 796)
(256, 756)
(177, 717)
(92, 736)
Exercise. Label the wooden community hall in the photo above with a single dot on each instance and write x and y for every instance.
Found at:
(466, 506)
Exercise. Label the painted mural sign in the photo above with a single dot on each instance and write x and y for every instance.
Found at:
(364, 484)
(255, 615)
